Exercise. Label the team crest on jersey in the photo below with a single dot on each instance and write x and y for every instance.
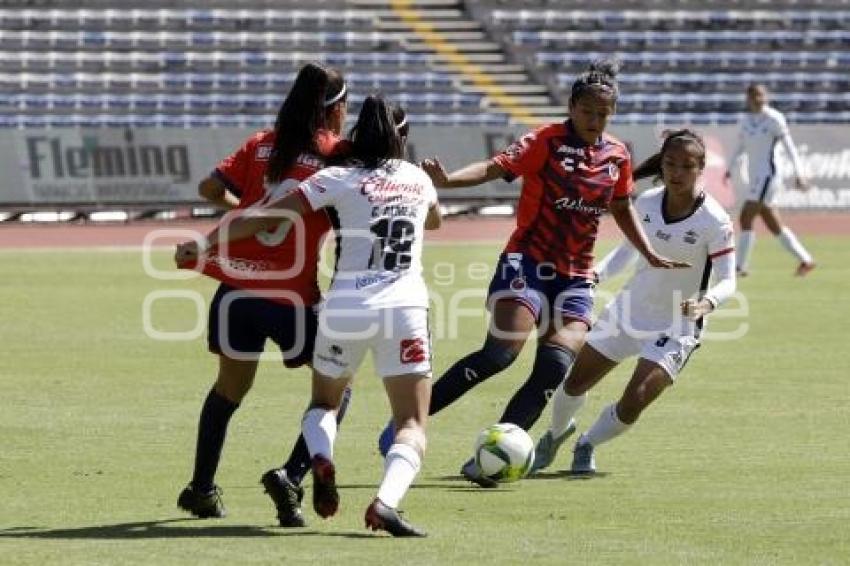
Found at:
(518, 284)
(691, 237)
(413, 351)
(264, 152)
(614, 171)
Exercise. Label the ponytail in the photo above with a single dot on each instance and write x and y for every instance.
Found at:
(375, 138)
(315, 91)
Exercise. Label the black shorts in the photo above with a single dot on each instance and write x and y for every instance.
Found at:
(240, 322)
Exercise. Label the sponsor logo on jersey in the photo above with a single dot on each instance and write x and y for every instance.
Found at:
(264, 151)
(691, 237)
(413, 351)
(646, 218)
(374, 279)
(579, 205)
(662, 236)
(567, 150)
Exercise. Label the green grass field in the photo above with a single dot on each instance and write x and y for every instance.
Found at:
(745, 461)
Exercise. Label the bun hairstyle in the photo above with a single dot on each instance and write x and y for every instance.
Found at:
(599, 79)
(317, 89)
(652, 166)
(375, 137)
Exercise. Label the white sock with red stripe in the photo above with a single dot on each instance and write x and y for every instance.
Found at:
(319, 429)
(790, 242)
(400, 468)
(745, 246)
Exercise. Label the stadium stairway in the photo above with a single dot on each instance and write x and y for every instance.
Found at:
(460, 45)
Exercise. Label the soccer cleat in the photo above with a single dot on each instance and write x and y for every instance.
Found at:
(804, 268)
(386, 439)
(472, 472)
(204, 505)
(325, 496)
(286, 496)
(384, 518)
(547, 447)
(584, 464)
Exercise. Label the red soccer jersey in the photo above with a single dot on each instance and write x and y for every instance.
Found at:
(567, 185)
(267, 261)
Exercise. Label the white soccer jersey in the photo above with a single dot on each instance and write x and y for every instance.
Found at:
(759, 135)
(381, 214)
(651, 300)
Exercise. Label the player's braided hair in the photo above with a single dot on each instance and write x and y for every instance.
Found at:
(316, 90)
(375, 137)
(600, 79)
(652, 166)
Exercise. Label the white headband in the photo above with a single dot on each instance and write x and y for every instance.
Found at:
(336, 98)
(401, 124)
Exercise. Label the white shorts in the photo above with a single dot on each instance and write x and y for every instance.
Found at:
(615, 343)
(763, 187)
(398, 338)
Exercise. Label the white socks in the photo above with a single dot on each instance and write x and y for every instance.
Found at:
(606, 427)
(745, 246)
(401, 465)
(319, 429)
(790, 242)
(564, 408)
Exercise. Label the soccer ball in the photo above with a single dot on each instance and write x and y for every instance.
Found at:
(504, 452)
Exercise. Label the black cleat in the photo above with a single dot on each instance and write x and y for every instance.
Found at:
(384, 518)
(325, 496)
(204, 505)
(286, 496)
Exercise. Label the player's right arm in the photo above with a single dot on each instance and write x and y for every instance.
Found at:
(736, 154)
(472, 175)
(524, 156)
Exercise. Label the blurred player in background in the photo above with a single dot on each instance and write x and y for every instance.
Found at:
(377, 301)
(256, 299)
(572, 172)
(761, 129)
(659, 314)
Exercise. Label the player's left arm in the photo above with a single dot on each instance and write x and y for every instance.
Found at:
(721, 252)
(434, 219)
(784, 135)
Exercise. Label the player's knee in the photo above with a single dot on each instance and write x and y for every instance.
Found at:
(414, 436)
(495, 357)
(556, 356)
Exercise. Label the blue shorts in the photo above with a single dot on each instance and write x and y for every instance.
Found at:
(540, 288)
(240, 323)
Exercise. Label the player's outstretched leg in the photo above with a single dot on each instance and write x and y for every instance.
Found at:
(552, 363)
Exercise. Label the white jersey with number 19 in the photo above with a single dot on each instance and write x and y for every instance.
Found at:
(381, 214)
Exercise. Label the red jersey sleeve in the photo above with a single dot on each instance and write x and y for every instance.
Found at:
(235, 169)
(526, 155)
(625, 184)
